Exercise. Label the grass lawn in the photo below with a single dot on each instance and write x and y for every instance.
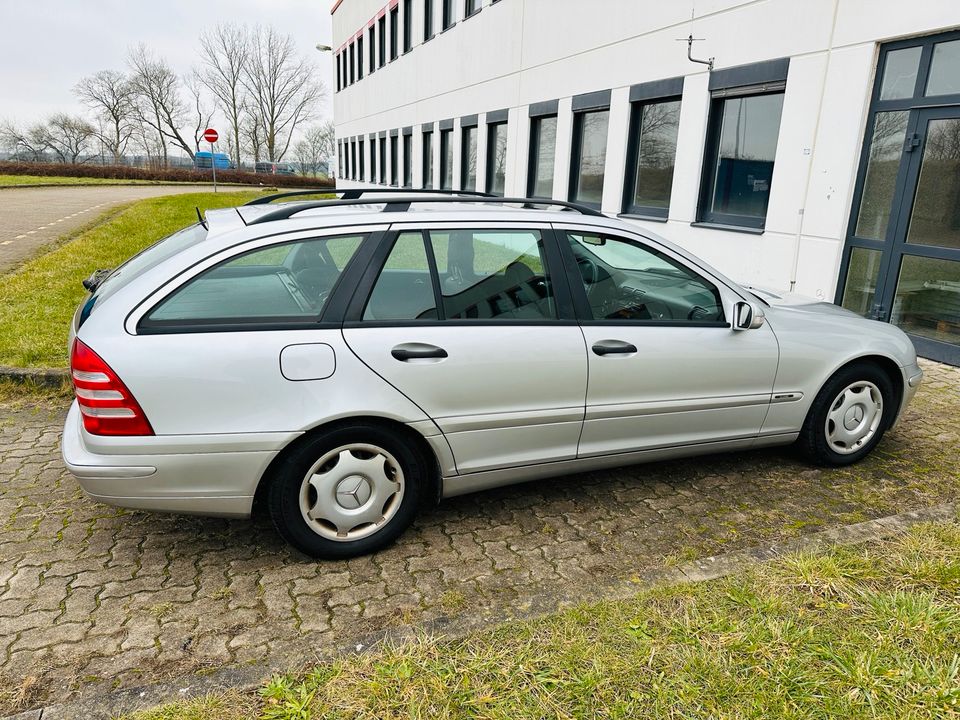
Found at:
(20, 180)
(38, 299)
(865, 632)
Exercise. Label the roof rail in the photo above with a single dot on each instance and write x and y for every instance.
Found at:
(403, 203)
(357, 193)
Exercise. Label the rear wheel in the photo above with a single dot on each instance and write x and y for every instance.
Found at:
(848, 416)
(346, 492)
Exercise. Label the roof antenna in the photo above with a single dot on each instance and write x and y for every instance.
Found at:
(241, 216)
(202, 221)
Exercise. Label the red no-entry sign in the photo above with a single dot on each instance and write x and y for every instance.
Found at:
(210, 135)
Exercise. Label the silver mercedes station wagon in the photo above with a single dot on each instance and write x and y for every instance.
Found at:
(344, 362)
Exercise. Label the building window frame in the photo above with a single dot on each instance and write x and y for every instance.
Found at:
(352, 52)
(428, 31)
(394, 14)
(583, 106)
(471, 8)
(448, 14)
(446, 155)
(394, 157)
(468, 128)
(497, 122)
(372, 51)
(382, 40)
(360, 57)
(426, 160)
(538, 112)
(407, 26)
(766, 78)
(339, 68)
(407, 157)
(642, 97)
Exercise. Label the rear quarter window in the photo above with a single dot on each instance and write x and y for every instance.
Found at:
(287, 283)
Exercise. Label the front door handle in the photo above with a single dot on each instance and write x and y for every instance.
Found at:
(417, 351)
(614, 347)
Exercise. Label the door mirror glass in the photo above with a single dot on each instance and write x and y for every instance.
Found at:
(746, 316)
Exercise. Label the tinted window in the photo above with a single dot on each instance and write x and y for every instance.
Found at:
(625, 280)
(543, 145)
(404, 289)
(653, 149)
(590, 148)
(496, 158)
(493, 274)
(468, 159)
(291, 281)
(428, 159)
(446, 159)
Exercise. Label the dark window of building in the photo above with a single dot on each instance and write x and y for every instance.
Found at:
(363, 165)
(352, 63)
(470, 7)
(360, 58)
(428, 159)
(446, 159)
(589, 156)
(543, 147)
(339, 85)
(741, 147)
(449, 13)
(372, 42)
(394, 32)
(383, 161)
(427, 19)
(468, 158)
(651, 153)
(408, 160)
(353, 159)
(496, 157)
(407, 25)
(382, 39)
(393, 160)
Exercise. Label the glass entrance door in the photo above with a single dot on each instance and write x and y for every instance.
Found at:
(902, 260)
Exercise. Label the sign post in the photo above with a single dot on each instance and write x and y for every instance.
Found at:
(211, 136)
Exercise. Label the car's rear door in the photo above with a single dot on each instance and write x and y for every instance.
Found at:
(473, 323)
(665, 367)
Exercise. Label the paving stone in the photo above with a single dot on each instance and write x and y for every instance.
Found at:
(89, 590)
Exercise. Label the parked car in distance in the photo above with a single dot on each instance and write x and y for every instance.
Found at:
(346, 362)
(204, 160)
(274, 168)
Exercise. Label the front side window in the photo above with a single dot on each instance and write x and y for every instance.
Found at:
(427, 159)
(743, 144)
(625, 280)
(496, 158)
(652, 151)
(281, 283)
(543, 146)
(446, 159)
(468, 159)
(590, 156)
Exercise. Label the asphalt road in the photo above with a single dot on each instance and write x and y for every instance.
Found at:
(33, 217)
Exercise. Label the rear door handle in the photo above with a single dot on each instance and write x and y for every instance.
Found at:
(614, 347)
(417, 351)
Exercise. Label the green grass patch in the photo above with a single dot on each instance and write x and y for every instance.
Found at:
(867, 632)
(37, 301)
(14, 180)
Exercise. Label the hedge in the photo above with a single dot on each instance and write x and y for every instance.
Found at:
(123, 172)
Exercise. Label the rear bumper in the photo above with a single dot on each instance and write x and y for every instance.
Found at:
(156, 474)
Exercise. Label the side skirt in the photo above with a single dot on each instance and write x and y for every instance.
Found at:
(473, 482)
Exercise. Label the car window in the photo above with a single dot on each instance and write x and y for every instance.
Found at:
(404, 289)
(626, 280)
(289, 281)
(493, 274)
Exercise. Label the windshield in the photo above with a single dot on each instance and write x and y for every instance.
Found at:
(146, 260)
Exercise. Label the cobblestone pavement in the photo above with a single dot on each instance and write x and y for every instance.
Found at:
(94, 597)
(33, 217)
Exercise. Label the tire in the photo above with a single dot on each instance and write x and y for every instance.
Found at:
(348, 491)
(844, 423)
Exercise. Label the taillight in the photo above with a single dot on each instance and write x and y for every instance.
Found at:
(107, 406)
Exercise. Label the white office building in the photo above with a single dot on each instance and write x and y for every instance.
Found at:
(808, 145)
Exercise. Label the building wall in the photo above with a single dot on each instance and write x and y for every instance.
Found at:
(517, 52)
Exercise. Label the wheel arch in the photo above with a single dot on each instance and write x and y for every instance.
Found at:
(422, 445)
(890, 368)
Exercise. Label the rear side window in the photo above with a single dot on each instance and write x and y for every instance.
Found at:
(464, 275)
(286, 283)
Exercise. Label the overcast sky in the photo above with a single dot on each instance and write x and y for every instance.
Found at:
(46, 46)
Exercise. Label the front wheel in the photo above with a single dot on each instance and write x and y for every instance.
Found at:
(346, 492)
(848, 416)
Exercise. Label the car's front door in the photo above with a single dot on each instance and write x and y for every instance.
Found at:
(665, 367)
(474, 325)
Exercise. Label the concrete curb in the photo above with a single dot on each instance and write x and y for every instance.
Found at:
(110, 705)
(46, 377)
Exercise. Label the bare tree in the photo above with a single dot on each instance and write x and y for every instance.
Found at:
(284, 89)
(315, 148)
(202, 115)
(160, 101)
(252, 135)
(31, 141)
(68, 137)
(224, 53)
(112, 96)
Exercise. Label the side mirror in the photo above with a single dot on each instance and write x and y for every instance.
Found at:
(746, 316)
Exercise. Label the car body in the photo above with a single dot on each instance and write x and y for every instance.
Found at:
(477, 342)
(274, 168)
